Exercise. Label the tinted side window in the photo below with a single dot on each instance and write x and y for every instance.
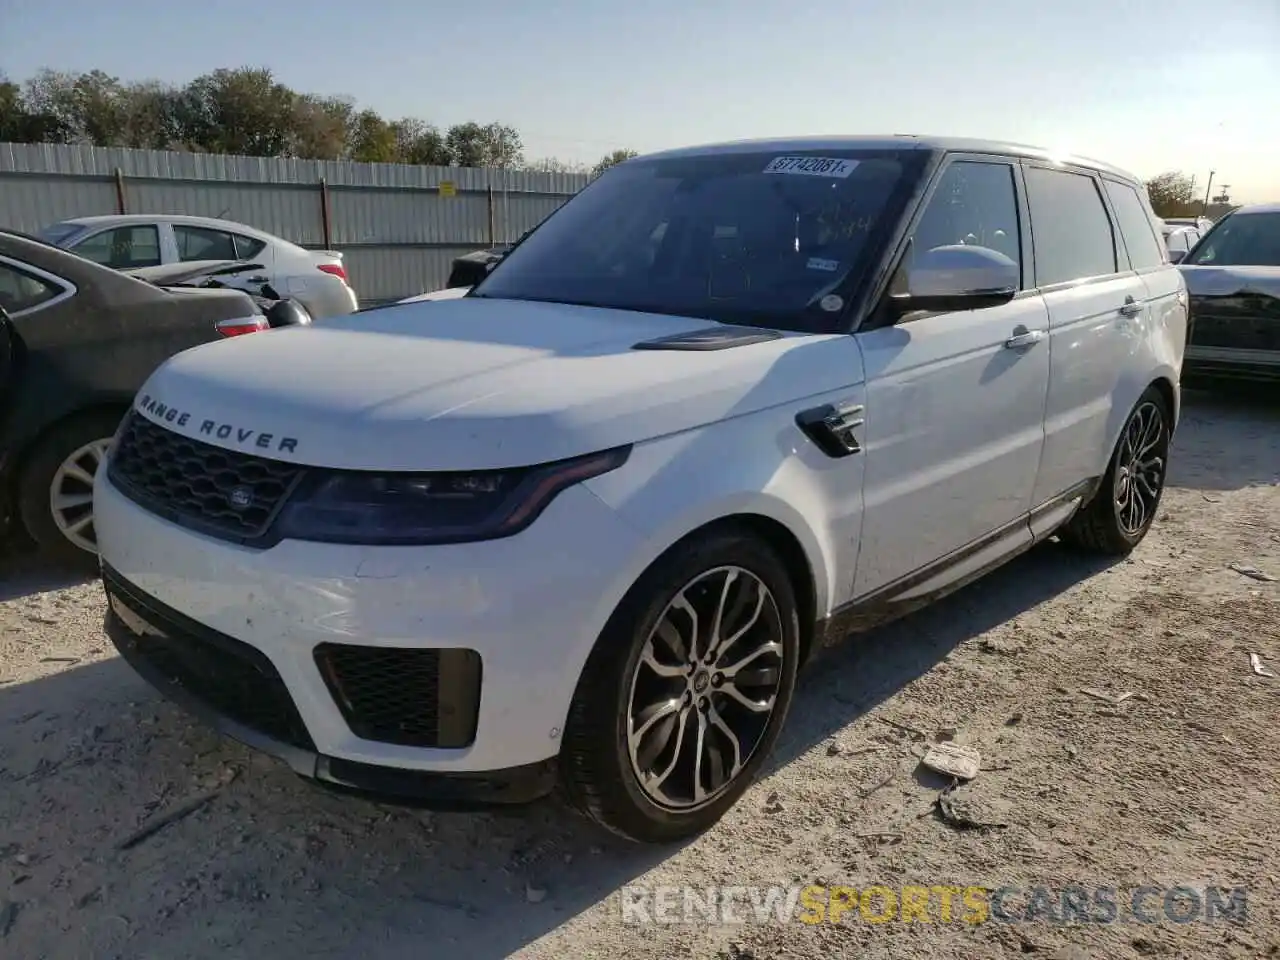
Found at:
(122, 248)
(22, 291)
(1136, 227)
(247, 247)
(1069, 226)
(197, 243)
(974, 203)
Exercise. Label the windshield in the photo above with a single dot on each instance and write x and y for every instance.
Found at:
(749, 238)
(1240, 240)
(58, 232)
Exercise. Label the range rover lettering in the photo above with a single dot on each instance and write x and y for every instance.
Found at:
(585, 523)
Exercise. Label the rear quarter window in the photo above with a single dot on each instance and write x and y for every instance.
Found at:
(20, 290)
(248, 247)
(1137, 227)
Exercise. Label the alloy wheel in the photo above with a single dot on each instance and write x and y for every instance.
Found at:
(1140, 468)
(704, 688)
(71, 494)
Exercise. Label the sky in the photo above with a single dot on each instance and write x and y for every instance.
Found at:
(1150, 86)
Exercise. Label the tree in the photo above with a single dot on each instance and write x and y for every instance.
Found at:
(372, 139)
(492, 145)
(321, 127)
(13, 112)
(238, 111)
(611, 159)
(19, 124)
(242, 111)
(1172, 194)
(556, 165)
(419, 142)
(150, 116)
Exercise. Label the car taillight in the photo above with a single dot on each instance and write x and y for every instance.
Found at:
(333, 269)
(240, 325)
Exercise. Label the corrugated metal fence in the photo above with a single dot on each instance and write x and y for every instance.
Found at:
(399, 226)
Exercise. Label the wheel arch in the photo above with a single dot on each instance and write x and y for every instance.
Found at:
(27, 446)
(1163, 380)
(784, 542)
(1169, 392)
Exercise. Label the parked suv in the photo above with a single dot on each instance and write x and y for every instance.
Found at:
(588, 520)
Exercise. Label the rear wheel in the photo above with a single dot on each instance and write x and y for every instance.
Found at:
(55, 489)
(1122, 511)
(686, 691)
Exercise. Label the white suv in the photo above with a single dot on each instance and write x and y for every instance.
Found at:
(588, 520)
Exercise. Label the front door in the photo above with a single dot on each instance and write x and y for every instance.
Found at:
(955, 401)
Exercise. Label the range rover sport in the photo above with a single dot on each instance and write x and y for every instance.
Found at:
(585, 523)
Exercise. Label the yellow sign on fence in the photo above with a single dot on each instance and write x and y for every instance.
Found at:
(448, 188)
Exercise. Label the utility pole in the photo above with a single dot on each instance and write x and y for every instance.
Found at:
(1208, 188)
(502, 162)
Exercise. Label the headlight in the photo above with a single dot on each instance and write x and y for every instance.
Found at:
(423, 508)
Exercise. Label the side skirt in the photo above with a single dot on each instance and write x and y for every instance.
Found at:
(946, 575)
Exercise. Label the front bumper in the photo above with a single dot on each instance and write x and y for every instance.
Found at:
(131, 616)
(1233, 338)
(529, 608)
(1230, 363)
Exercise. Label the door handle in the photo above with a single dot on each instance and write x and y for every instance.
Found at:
(1022, 338)
(1131, 307)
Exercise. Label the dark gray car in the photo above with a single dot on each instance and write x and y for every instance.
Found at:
(77, 341)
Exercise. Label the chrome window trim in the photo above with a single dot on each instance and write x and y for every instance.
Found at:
(68, 288)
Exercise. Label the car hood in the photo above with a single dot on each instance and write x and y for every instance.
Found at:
(475, 384)
(1231, 281)
(448, 293)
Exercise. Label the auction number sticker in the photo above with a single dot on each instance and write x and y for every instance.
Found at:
(812, 166)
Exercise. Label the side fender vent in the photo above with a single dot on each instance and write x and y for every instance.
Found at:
(719, 337)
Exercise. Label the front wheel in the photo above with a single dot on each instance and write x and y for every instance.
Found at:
(1122, 511)
(686, 691)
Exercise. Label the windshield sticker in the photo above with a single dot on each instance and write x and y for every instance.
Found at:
(818, 263)
(831, 303)
(812, 166)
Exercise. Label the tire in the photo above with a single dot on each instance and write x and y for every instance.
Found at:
(71, 438)
(1103, 526)
(597, 767)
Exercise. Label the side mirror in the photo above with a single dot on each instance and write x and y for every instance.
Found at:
(1175, 256)
(288, 313)
(958, 277)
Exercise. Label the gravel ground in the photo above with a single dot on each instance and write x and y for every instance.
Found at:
(1173, 785)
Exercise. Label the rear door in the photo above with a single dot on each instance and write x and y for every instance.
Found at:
(1096, 304)
(93, 336)
(39, 377)
(124, 247)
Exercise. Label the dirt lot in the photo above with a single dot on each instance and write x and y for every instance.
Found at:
(1174, 785)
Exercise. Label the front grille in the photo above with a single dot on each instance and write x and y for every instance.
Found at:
(224, 493)
(414, 698)
(1241, 321)
(229, 677)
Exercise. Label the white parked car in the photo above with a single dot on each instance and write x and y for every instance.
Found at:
(315, 278)
(1200, 224)
(588, 520)
(1179, 240)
